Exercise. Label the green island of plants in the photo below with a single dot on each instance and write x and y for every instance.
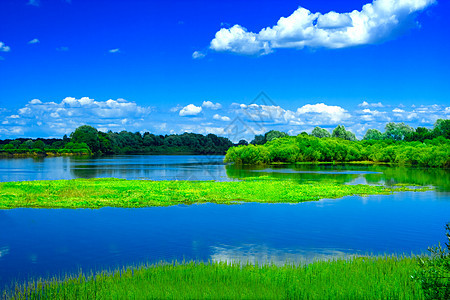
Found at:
(96, 193)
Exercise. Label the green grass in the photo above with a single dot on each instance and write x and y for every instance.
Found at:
(356, 278)
(96, 193)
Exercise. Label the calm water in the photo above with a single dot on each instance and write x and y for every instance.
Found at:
(46, 242)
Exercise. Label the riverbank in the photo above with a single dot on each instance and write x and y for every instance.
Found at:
(110, 192)
(355, 278)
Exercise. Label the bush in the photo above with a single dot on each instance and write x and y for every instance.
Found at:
(434, 275)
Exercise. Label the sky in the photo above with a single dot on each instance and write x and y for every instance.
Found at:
(231, 68)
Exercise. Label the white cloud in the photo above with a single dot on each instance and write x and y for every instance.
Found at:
(398, 110)
(35, 101)
(374, 23)
(190, 110)
(221, 118)
(176, 108)
(4, 48)
(210, 105)
(117, 50)
(238, 40)
(321, 113)
(197, 55)
(65, 116)
(366, 104)
(33, 41)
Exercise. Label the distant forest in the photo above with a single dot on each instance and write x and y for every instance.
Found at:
(87, 140)
(399, 144)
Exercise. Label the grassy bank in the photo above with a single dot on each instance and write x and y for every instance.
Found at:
(357, 278)
(96, 193)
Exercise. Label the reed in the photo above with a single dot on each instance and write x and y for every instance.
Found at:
(354, 278)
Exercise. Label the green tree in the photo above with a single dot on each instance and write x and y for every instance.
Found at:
(16, 143)
(242, 143)
(397, 131)
(274, 134)
(39, 145)
(320, 132)
(86, 134)
(27, 145)
(373, 134)
(442, 128)
(258, 140)
(341, 132)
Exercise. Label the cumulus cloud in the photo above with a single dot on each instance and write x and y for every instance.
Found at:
(198, 55)
(367, 104)
(4, 48)
(309, 114)
(374, 23)
(321, 113)
(210, 105)
(221, 118)
(33, 41)
(190, 110)
(117, 50)
(65, 116)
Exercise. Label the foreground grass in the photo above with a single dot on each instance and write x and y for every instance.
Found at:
(356, 278)
(96, 193)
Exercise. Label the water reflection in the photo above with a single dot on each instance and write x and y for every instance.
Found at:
(349, 173)
(263, 254)
(151, 167)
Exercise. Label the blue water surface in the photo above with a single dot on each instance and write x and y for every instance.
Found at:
(48, 242)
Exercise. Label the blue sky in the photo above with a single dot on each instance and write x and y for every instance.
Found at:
(175, 66)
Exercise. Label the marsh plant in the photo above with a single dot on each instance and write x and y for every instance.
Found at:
(434, 274)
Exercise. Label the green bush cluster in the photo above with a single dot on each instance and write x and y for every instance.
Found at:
(304, 148)
(434, 274)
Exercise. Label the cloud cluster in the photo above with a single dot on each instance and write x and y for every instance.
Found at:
(71, 112)
(237, 121)
(312, 114)
(4, 48)
(374, 23)
(210, 105)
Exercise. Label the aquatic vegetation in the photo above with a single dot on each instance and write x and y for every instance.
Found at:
(355, 278)
(96, 193)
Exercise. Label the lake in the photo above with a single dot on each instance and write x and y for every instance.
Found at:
(47, 242)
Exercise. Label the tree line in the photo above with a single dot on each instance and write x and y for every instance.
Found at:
(399, 144)
(88, 140)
